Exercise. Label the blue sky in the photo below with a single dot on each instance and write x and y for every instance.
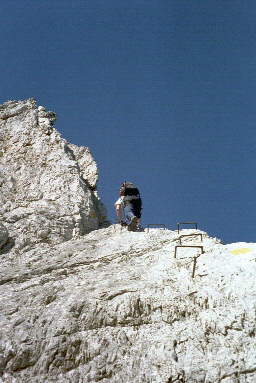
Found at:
(163, 93)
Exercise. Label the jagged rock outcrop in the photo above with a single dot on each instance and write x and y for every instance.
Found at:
(47, 186)
(117, 307)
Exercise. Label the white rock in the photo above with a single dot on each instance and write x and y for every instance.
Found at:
(110, 306)
(116, 306)
(43, 183)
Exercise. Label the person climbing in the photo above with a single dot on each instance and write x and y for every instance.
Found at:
(128, 206)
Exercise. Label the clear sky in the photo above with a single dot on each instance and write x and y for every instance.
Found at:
(162, 91)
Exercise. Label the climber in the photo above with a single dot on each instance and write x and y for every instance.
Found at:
(128, 206)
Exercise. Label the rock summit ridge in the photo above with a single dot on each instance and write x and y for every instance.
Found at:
(47, 186)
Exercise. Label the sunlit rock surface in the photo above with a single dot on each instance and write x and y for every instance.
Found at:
(117, 307)
(80, 305)
(47, 186)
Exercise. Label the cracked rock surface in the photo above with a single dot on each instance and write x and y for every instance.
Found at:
(47, 186)
(116, 307)
(80, 303)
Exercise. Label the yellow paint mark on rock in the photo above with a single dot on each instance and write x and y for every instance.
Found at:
(242, 250)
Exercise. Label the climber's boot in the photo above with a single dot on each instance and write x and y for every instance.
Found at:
(133, 225)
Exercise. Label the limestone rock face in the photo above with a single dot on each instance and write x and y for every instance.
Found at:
(79, 305)
(117, 307)
(47, 186)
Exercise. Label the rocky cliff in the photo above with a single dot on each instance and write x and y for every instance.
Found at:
(109, 306)
(48, 186)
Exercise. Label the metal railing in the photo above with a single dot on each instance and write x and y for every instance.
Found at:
(194, 258)
(186, 223)
(156, 224)
(192, 246)
(191, 235)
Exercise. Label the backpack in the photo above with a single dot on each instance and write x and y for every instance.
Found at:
(129, 189)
